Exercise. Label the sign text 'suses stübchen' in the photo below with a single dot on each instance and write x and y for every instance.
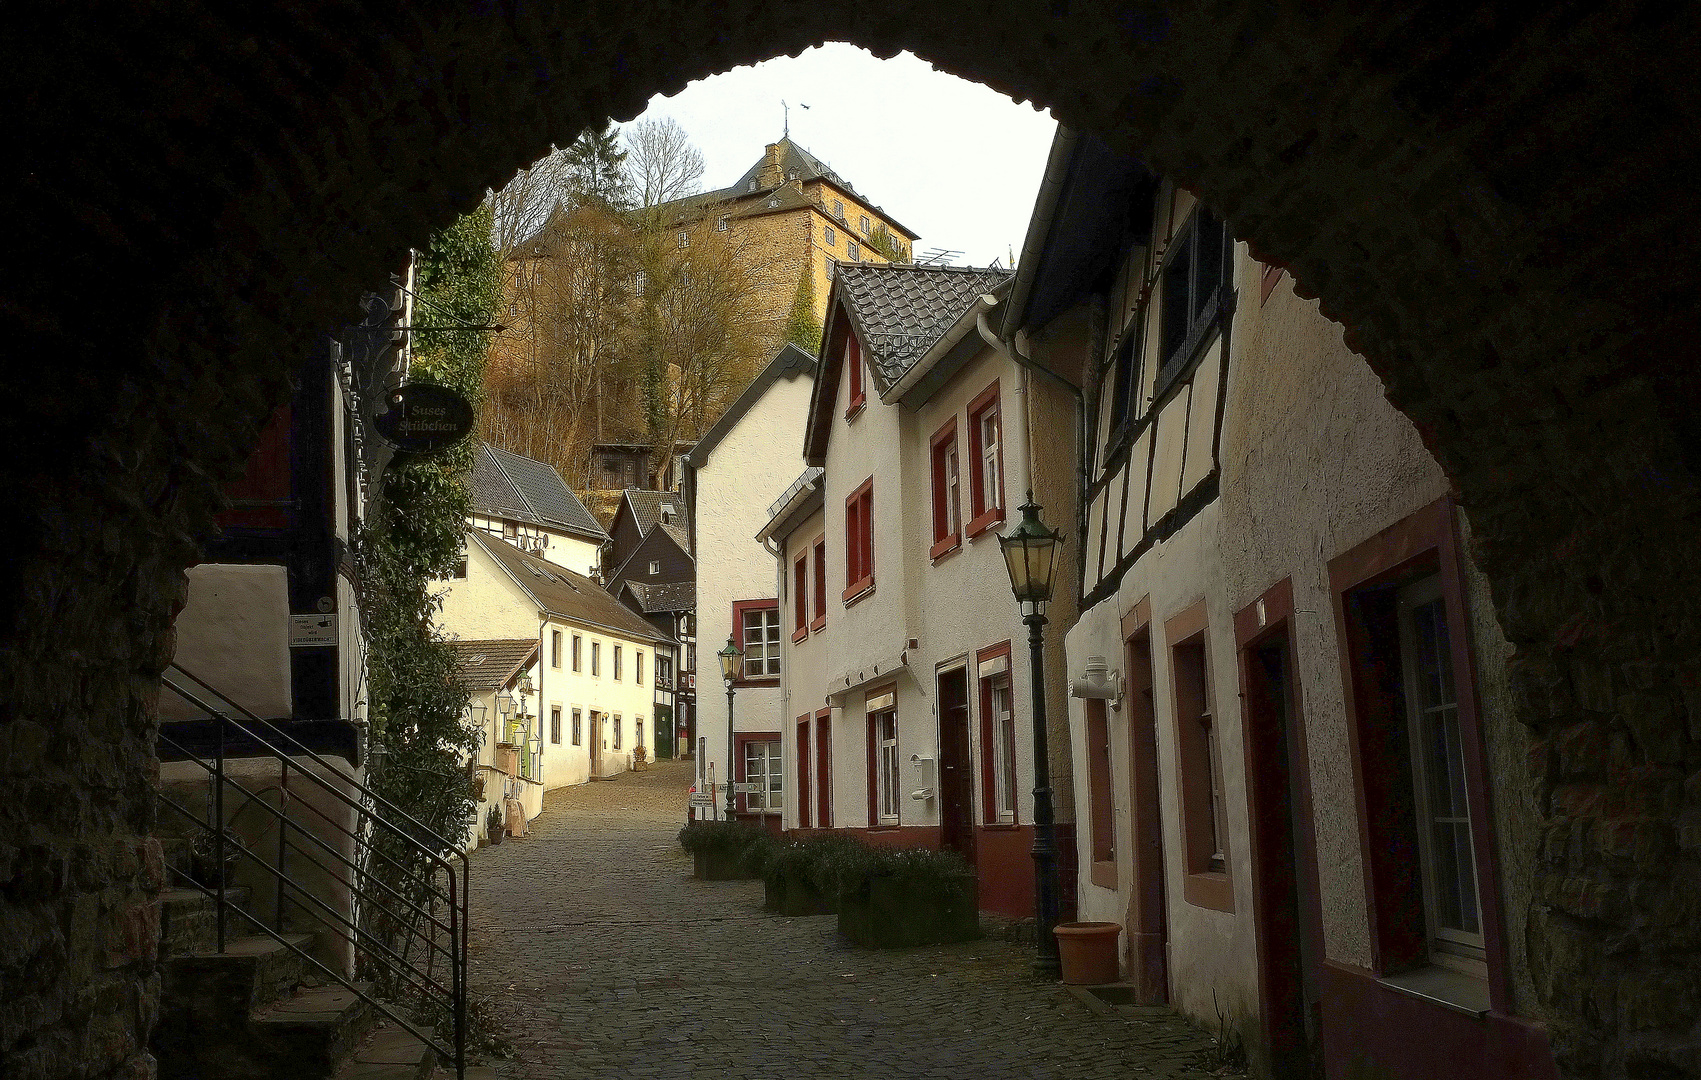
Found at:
(423, 419)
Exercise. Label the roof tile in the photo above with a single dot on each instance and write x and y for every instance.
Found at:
(900, 310)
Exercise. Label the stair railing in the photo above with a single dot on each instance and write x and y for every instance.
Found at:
(432, 882)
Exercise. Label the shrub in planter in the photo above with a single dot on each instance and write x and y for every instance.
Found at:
(788, 881)
(892, 899)
(717, 848)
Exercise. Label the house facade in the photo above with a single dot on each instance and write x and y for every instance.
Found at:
(525, 502)
(590, 709)
(648, 567)
(739, 467)
(905, 677)
(1283, 786)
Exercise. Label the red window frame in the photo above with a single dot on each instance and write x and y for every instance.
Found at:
(800, 599)
(739, 607)
(820, 620)
(940, 448)
(987, 507)
(859, 542)
(824, 769)
(873, 747)
(804, 764)
(853, 371)
(989, 739)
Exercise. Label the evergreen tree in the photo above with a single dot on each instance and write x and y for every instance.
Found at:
(596, 168)
(801, 328)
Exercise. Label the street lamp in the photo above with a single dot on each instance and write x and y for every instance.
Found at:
(1030, 554)
(732, 659)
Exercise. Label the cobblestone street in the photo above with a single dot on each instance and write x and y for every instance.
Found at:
(602, 957)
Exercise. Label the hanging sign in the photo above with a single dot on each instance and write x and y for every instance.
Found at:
(423, 419)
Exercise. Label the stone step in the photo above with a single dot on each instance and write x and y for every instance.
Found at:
(188, 920)
(393, 1053)
(253, 970)
(310, 1033)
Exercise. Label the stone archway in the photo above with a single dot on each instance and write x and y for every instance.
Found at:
(1497, 206)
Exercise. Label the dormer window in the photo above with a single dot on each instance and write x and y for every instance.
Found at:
(792, 175)
(655, 567)
(752, 185)
(684, 239)
(720, 223)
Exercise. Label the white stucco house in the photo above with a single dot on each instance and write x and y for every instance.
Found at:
(589, 711)
(904, 683)
(740, 466)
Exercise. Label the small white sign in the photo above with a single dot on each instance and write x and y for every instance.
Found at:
(747, 789)
(313, 629)
(702, 800)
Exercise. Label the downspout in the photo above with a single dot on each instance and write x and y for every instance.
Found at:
(778, 552)
(1010, 350)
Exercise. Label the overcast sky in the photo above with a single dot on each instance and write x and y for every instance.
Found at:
(951, 160)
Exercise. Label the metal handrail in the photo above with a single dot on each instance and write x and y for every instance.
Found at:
(373, 814)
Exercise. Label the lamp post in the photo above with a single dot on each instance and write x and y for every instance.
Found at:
(732, 657)
(1030, 555)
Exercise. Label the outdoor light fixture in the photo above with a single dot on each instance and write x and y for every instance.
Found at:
(732, 658)
(505, 704)
(1030, 554)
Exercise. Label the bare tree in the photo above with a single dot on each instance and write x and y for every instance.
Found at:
(526, 202)
(661, 163)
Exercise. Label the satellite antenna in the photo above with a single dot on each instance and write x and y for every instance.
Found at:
(938, 257)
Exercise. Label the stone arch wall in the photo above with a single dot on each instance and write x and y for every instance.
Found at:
(1497, 205)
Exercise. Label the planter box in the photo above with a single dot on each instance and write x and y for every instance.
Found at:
(796, 897)
(886, 913)
(720, 866)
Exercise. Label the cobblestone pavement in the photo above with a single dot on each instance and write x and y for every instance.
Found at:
(602, 957)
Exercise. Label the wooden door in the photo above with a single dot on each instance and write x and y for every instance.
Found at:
(956, 766)
(1286, 908)
(1147, 923)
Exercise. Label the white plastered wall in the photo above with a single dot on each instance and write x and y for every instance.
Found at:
(234, 634)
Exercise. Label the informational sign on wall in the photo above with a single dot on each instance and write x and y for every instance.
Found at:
(309, 630)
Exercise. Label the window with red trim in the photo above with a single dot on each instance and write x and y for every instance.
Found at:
(853, 371)
(820, 619)
(986, 461)
(997, 735)
(804, 765)
(859, 541)
(756, 628)
(947, 492)
(800, 598)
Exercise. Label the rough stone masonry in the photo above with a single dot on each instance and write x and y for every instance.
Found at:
(1498, 203)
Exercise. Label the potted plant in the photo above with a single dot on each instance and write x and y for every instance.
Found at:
(493, 825)
(717, 848)
(789, 879)
(892, 898)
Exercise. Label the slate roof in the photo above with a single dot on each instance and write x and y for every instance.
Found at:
(646, 508)
(488, 664)
(573, 597)
(900, 310)
(507, 485)
(670, 596)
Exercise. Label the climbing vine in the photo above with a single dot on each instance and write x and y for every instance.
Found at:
(416, 704)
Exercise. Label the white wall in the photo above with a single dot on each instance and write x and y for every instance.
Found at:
(573, 552)
(234, 633)
(760, 457)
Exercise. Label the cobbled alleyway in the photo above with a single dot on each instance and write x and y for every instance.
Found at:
(604, 958)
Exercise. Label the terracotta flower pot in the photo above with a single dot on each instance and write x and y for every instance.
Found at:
(1088, 952)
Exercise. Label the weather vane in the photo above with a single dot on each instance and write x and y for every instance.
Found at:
(787, 108)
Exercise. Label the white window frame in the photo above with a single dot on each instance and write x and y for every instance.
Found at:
(829, 237)
(991, 477)
(769, 773)
(887, 774)
(1427, 716)
(1003, 724)
(763, 651)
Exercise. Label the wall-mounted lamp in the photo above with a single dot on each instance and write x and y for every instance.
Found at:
(1098, 682)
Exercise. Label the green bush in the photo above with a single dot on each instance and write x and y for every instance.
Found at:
(720, 837)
